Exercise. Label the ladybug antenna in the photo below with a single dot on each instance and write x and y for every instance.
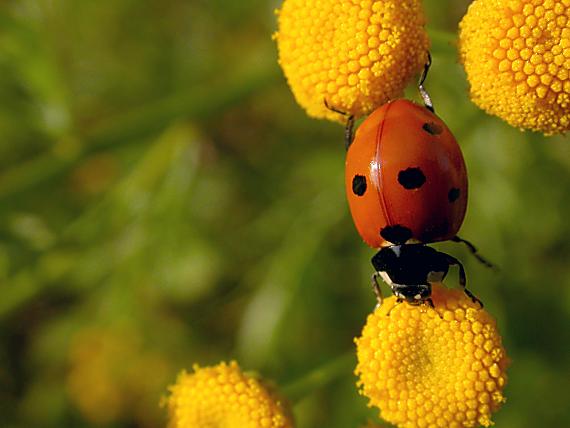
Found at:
(349, 129)
(423, 92)
(474, 251)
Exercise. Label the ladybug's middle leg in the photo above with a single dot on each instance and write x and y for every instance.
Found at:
(463, 279)
(474, 251)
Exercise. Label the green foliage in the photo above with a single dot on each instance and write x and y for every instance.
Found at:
(164, 201)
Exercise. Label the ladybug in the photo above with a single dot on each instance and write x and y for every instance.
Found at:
(406, 185)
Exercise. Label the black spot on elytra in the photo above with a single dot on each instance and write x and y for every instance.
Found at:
(432, 128)
(396, 234)
(411, 178)
(359, 185)
(453, 194)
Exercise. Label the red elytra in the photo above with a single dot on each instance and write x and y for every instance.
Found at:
(406, 179)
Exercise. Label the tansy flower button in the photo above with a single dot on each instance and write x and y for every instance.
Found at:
(442, 367)
(357, 55)
(224, 396)
(516, 55)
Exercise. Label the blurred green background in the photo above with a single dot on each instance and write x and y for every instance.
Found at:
(164, 201)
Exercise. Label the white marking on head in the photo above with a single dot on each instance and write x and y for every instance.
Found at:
(418, 296)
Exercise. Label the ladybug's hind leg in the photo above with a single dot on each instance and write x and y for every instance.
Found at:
(349, 132)
(424, 94)
(349, 129)
(463, 279)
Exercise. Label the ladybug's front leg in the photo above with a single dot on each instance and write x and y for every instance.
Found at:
(377, 289)
(398, 301)
(463, 279)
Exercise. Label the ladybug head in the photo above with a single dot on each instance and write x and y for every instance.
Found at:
(412, 294)
(410, 269)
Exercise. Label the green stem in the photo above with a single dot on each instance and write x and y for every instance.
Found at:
(321, 376)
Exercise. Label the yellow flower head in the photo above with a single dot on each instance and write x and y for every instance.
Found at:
(356, 54)
(223, 396)
(432, 368)
(516, 55)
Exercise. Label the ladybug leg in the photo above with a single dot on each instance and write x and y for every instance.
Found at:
(429, 302)
(349, 129)
(398, 301)
(463, 280)
(349, 132)
(423, 92)
(474, 251)
(377, 289)
(334, 109)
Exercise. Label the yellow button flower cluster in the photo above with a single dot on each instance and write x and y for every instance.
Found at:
(432, 368)
(356, 54)
(223, 396)
(516, 55)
